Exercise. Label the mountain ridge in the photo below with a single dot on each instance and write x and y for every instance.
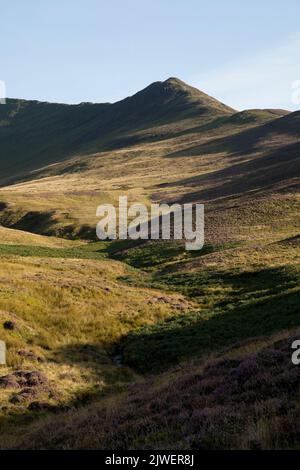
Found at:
(168, 142)
(35, 134)
(173, 83)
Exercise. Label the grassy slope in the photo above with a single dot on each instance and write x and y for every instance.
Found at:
(69, 310)
(195, 164)
(64, 188)
(80, 309)
(36, 134)
(244, 272)
(245, 398)
(76, 305)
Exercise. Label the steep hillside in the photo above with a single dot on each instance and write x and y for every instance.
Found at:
(259, 159)
(34, 134)
(167, 142)
(85, 323)
(245, 398)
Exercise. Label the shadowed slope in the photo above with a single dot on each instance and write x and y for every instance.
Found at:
(167, 142)
(275, 132)
(35, 134)
(261, 158)
(241, 400)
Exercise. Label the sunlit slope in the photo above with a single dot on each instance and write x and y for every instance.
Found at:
(63, 309)
(18, 237)
(34, 134)
(208, 153)
(222, 311)
(222, 402)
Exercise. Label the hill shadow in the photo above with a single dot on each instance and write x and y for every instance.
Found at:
(245, 142)
(260, 173)
(187, 337)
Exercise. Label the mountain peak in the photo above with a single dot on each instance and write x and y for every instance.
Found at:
(176, 84)
(177, 95)
(174, 81)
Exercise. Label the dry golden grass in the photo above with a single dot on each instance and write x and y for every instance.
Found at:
(183, 167)
(19, 237)
(70, 312)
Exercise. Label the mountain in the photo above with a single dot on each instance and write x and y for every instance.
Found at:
(167, 142)
(131, 344)
(34, 134)
(163, 99)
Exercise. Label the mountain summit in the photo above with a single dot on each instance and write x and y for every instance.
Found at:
(173, 92)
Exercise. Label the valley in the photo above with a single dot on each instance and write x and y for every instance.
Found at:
(142, 344)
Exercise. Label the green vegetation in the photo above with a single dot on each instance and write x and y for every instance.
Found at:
(25, 126)
(142, 343)
(244, 305)
(89, 251)
(232, 302)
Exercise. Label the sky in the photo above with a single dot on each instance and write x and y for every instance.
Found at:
(244, 53)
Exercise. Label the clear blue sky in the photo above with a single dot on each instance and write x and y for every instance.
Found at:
(246, 53)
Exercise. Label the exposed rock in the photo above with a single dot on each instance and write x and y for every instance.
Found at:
(40, 406)
(17, 399)
(35, 379)
(23, 378)
(9, 381)
(30, 355)
(9, 325)
(23, 395)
